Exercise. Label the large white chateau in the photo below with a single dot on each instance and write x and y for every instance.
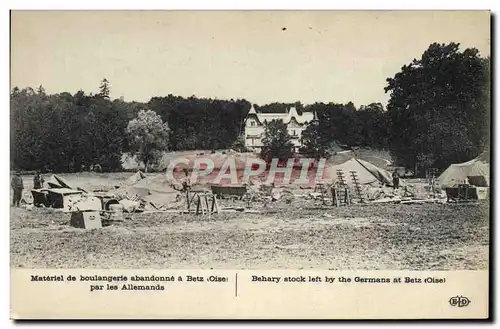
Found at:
(254, 126)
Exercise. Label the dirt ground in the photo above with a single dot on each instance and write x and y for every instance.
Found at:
(297, 236)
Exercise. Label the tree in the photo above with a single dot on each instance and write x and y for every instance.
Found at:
(277, 142)
(200, 122)
(64, 132)
(338, 122)
(439, 107)
(104, 89)
(374, 125)
(239, 144)
(148, 137)
(107, 122)
(315, 143)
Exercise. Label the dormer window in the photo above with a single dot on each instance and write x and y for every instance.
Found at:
(252, 123)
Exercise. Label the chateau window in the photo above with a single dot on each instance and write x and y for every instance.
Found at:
(252, 124)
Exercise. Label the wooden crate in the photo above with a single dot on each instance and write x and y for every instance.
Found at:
(229, 191)
(86, 219)
(40, 197)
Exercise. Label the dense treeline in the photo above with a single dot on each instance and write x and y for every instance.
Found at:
(344, 124)
(199, 123)
(66, 133)
(438, 114)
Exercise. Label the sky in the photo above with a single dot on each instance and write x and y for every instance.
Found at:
(262, 56)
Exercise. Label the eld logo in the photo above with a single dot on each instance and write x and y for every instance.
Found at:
(459, 301)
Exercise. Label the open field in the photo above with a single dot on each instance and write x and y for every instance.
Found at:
(291, 236)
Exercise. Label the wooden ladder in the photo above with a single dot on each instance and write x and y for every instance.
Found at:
(357, 187)
(340, 176)
(206, 203)
(341, 195)
(340, 191)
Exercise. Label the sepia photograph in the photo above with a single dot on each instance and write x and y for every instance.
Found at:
(250, 164)
(333, 140)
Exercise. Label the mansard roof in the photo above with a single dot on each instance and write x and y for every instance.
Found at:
(286, 117)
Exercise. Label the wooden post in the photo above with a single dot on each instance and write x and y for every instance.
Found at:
(215, 206)
(207, 207)
(198, 205)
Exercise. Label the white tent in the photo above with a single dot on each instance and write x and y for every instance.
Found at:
(457, 173)
(367, 173)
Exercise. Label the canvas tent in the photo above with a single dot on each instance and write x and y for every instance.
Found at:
(156, 190)
(367, 173)
(135, 178)
(56, 181)
(457, 173)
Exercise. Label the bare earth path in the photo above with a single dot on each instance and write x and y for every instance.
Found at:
(369, 237)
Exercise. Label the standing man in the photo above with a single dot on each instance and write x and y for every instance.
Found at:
(18, 187)
(38, 181)
(395, 179)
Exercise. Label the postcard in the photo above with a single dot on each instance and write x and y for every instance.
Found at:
(250, 164)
